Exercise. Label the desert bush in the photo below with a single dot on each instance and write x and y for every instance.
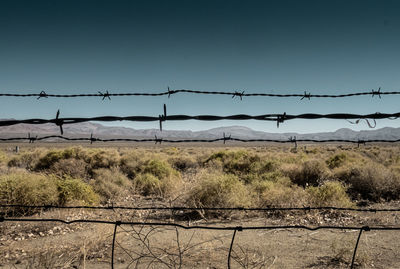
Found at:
(103, 159)
(279, 192)
(233, 161)
(267, 176)
(28, 189)
(371, 181)
(312, 172)
(94, 158)
(21, 187)
(241, 163)
(337, 160)
(183, 163)
(155, 177)
(159, 169)
(331, 193)
(110, 184)
(53, 156)
(148, 184)
(70, 167)
(219, 190)
(130, 163)
(27, 160)
(75, 191)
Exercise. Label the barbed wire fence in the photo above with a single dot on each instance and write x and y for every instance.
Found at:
(278, 118)
(235, 229)
(236, 93)
(292, 140)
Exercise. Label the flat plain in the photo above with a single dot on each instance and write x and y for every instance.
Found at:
(199, 176)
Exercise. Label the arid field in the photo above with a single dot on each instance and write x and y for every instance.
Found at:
(199, 176)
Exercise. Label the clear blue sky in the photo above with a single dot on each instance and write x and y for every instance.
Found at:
(144, 46)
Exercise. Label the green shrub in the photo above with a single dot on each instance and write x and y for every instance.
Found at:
(75, 191)
(148, 184)
(331, 193)
(103, 159)
(233, 162)
(28, 189)
(157, 182)
(38, 189)
(219, 190)
(336, 160)
(241, 163)
(152, 177)
(278, 193)
(110, 184)
(53, 156)
(159, 169)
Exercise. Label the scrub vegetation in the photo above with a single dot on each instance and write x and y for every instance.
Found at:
(202, 177)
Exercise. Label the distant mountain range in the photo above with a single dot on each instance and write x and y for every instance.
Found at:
(98, 130)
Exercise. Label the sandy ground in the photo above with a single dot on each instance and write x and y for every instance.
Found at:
(55, 245)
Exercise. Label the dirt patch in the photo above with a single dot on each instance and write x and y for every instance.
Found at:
(55, 245)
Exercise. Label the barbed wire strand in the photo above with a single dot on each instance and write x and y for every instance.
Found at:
(278, 118)
(169, 93)
(294, 140)
(219, 228)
